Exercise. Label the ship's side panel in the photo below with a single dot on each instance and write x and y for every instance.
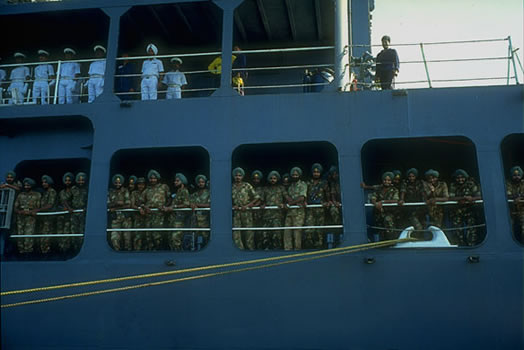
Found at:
(407, 299)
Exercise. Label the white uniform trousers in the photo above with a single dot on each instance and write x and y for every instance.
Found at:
(40, 89)
(95, 87)
(149, 87)
(18, 90)
(66, 89)
(173, 92)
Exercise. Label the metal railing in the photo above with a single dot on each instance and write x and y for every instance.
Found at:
(510, 57)
(262, 78)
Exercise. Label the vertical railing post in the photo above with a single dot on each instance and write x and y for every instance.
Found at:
(57, 82)
(512, 56)
(341, 45)
(425, 63)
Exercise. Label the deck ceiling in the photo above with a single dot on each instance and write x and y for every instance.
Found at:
(190, 26)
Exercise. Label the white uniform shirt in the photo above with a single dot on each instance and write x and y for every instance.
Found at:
(97, 68)
(69, 69)
(19, 73)
(174, 78)
(3, 74)
(43, 71)
(152, 67)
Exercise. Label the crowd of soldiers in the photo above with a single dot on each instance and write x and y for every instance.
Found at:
(31, 205)
(143, 205)
(276, 211)
(285, 203)
(464, 216)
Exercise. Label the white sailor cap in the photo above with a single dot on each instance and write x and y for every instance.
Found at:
(70, 50)
(19, 54)
(176, 59)
(152, 47)
(43, 52)
(99, 47)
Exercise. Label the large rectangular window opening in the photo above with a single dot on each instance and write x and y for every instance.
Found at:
(159, 200)
(513, 160)
(49, 209)
(165, 50)
(283, 46)
(427, 188)
(286, 196)
(59, 57)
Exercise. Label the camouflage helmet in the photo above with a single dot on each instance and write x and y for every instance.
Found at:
(273, 173)
(118, 176)
(198, 177)
(48, 179)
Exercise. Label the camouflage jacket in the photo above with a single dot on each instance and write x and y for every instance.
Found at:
(413, 192)
(79, 200)
(317, 193)
(384, 193)
(137, 198)
(441, 190)
(259, 190)
(155, 196)
(243, 194)
(28, 201)
(201, 197)
(334, 191)
(274, 195)
(118, 198)
(514, 190)
(49, 198)
(297, 189)
(469, 188)
(64, 198)
(181, 198)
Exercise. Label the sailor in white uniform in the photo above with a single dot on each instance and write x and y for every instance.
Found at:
(68, 72)
(97, 69)
(19, 77)
(174, 80)
(151, 71)
(44, 77)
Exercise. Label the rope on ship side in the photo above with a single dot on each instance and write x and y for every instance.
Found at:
(267, 263)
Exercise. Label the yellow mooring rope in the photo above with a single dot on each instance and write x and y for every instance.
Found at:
(289, 259)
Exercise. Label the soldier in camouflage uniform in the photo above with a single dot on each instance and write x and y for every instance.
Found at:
(317, 193)
(11, 182)
(386, 193)
(335, 197)
(286, 181)
(397, 179)
(26, 206)
(515, 191)
(177, 218)
(244, 197)
(47, 223)
(274, 195)
(412, 191)
(465, 191)
(138, 220)
(79, 202)
(436, 191)
(261, 237)
(155, 197)
(296, 196)
(63, 221)
(201, 199)
(119, 198)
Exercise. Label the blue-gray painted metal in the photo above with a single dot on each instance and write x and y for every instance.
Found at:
(407, 299)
